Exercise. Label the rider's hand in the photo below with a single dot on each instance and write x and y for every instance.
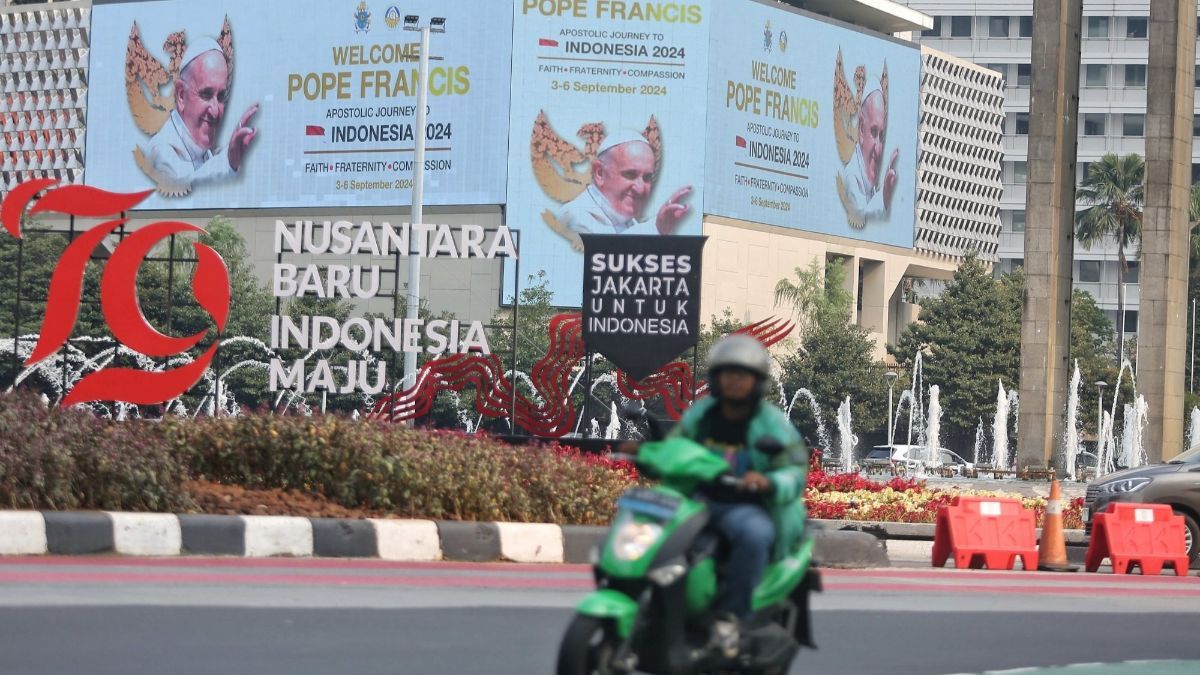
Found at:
(755, 482)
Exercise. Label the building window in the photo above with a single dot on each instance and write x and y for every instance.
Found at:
(1196, 125)
(936, 31)
(1022, 123)
(1136, 27)
(1197, 71)
(1025, 27)
(1095, 75)
(1018, 221)
(1093, 124)
(1024, 72)
(1084, 168)
(1002, 68)
(998, 27)
(1097, 26)
(1135, 75)
(1133, 125)
(1089, 271)
(1016, 264)
(1195, 173)
(1020, 172)
(1133, 275)
(960, 26)
(1131, 320)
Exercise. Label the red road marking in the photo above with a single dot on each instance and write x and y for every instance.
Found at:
(286, 563)
(216, 579)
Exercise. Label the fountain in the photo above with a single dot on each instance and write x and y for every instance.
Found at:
(1133, 454)
(1105, 446)
(822, 434)
(1000, 430)
(1071, 438)
(846, 436)
(613, 430)
(1194, 429)
(979, 438)
(905, 396)
(933, 426)
(915, 404)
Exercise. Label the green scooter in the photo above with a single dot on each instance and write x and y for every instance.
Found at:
(659, 570)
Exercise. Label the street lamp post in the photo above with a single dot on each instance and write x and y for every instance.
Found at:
(1100, 385)
(412, 22)
(891, 381)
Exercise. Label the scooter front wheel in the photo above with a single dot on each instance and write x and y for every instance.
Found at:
(588, 647)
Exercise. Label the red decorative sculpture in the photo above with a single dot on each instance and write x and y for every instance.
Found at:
(555, 417)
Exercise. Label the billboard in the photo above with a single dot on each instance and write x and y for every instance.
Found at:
(297, 103)
(607, 122)
(811, 125)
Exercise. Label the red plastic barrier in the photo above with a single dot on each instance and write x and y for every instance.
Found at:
(1148, 536)
(985, 531)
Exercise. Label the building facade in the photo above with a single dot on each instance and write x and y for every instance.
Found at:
(1112, 107)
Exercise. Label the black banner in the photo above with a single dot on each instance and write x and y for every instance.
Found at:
(641, 298)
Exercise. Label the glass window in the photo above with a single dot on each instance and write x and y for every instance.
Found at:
(1195, 173)
(1018, 221)
(1022, 123)
(1097, 26)
(998, 27)
(1024, 71)
(936, 31)
(1133, 125)
(1134, 273)
(960, 26)
(1020, 171)
(1084, 168)
(1002, 68)
(1095, 75)
(1135, 75)
(1131, 320)
(1197, 71)
(1015, 264)
(1025, 27)
(1196, 125)
(1093, 124)
(1089, 271)
(1136, 27)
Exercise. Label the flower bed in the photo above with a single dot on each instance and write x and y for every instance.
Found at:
(901, 500)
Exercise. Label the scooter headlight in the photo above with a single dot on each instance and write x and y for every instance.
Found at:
(633, 539)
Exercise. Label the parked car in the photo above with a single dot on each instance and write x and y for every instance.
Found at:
(1175, 483)
(910, 457)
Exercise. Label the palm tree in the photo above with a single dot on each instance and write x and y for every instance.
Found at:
(1113, 190)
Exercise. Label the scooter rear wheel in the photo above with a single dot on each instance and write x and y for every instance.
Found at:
(588, 647)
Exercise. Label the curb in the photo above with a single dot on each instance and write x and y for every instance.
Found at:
(164, 534)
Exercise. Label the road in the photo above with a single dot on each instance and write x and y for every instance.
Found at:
(324, 617)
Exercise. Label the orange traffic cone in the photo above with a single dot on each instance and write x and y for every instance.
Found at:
(1052, 552)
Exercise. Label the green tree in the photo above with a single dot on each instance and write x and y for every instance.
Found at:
(835, 357)
(1113, 190)
(1092, 339)
(969, 337)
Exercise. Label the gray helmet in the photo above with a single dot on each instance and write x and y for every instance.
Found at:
(739, 351)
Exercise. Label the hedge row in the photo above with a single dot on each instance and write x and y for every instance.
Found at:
(52, 458)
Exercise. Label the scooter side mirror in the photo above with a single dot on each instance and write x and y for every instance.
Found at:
(769, 446)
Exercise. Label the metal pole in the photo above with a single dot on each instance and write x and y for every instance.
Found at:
(516, 314)
(16, 355)
(891, 429)
(418, 206)
(1192, 365)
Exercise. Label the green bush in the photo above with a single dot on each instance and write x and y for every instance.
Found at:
(57, 459)
(408, 473)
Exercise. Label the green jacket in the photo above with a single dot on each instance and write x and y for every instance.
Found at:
(787, 471)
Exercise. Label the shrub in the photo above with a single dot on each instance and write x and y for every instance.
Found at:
(57, 459)
(406, 472)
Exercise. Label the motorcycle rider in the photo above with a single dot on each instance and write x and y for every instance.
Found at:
(763, 518)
